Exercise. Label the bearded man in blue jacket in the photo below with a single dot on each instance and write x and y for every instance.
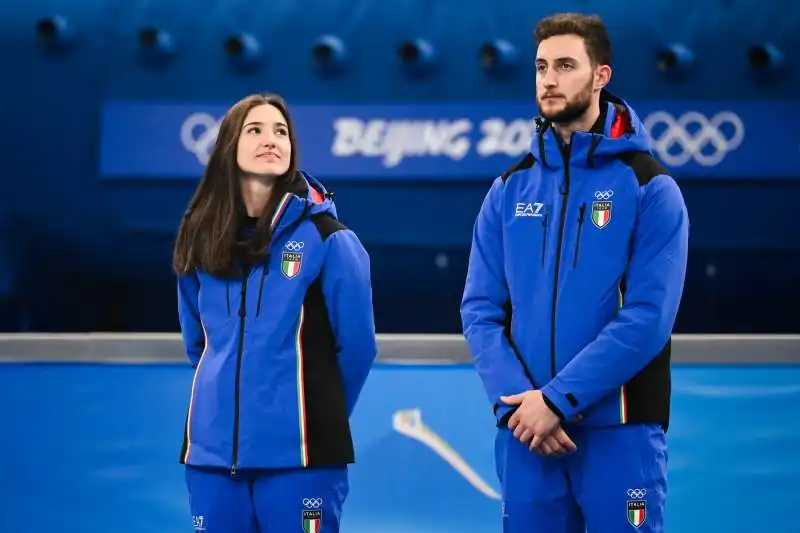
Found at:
(575, 277)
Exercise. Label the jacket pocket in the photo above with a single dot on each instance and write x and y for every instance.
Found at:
(581, 218)
(545, 232)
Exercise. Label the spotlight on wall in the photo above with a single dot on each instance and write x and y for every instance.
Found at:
(498, 57)
(765, 58)
(417, 56)
(328, 53)
(675, 60)
(54, 33)
(242, 49)
(155, 44)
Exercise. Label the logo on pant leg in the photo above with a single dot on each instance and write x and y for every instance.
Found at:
(312, 515)
(637, 507)
(199, 523)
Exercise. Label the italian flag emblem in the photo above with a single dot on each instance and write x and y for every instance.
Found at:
(290, 263)
(637, 512)
(601, 214)
(312, 521)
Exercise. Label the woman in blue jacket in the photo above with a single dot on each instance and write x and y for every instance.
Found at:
(275, 308)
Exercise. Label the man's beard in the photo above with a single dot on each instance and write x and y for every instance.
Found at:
(574, 109)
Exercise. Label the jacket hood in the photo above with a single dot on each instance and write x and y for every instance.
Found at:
(618, 130)
(319, 197)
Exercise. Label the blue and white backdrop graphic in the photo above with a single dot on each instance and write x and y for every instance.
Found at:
(450, 141)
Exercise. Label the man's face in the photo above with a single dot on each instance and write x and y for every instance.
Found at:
(565, 78)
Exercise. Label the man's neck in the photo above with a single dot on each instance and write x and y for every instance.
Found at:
(584, 123)
(256, 192)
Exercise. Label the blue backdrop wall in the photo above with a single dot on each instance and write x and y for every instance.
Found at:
(103, 141)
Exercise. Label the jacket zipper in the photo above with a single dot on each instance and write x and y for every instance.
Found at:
(581, 214)
(546, 233)
(562, 222)
(239, 354)
(228, 295)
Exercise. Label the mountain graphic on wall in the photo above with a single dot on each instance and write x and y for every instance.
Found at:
(412, 481)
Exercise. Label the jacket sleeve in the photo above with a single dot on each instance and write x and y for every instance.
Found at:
(194, 338)
(643, 325)
(347, 288)
(483, 307)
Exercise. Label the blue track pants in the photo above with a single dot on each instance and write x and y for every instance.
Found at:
(616, 482)
(267, 501)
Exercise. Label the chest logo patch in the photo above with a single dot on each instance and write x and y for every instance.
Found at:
(292, 259)
(601, 208)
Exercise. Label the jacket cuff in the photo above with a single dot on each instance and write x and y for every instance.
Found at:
(553, 407)
(502, 413)
(563, 405)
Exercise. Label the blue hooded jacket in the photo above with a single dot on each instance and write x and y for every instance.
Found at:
(281, 354)
(576, 273)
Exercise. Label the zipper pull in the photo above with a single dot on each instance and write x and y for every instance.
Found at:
(581, 213)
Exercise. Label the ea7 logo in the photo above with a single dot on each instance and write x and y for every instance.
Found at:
(199, 523)
(528, 209)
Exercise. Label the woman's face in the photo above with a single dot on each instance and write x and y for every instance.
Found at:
(264, 146)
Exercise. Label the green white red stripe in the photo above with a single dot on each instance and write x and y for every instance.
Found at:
(192, 395)
(280, 209)
(301, 394)
(623, 397)
(290, 268)
(298, 342)
(636, 517)
(623, 405)
(601, 217)
(312, 525)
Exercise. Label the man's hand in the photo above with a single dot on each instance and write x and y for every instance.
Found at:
(533, 421)
(558, 443)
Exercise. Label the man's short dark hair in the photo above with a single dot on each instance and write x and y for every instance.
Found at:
(589, 27)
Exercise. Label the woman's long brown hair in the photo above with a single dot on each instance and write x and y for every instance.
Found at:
(209, 237)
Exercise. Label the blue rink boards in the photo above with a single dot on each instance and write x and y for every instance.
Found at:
(94, 448)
